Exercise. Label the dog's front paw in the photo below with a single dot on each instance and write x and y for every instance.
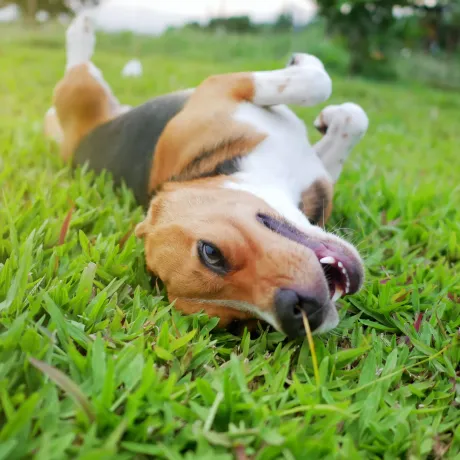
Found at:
(349, 119)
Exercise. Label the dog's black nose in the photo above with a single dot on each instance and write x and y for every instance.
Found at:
(289, 305)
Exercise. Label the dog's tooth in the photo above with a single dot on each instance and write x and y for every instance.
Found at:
(327, 260)
(340, 264)
(337, 294)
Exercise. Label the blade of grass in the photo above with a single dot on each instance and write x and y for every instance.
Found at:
(311, 344)
(67, 385)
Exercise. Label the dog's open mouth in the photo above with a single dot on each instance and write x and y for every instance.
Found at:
(337, 277)
(341, 269)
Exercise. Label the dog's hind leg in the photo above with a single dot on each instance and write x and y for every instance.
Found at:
(82, 99)
(80, 45)
(343, 127)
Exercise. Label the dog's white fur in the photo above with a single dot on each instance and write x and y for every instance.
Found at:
(285, 163)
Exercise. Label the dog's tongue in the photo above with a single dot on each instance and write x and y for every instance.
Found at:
(328, 253)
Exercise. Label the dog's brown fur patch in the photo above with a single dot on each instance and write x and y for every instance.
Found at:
(204, 135)
(261, 261)
(81, 105)
(316, 202)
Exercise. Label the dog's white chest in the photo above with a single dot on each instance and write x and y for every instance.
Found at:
(282, 166)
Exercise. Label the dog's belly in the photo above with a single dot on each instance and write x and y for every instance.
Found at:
(282, 166)
(125, 145)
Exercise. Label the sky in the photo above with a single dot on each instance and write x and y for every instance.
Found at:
(154, 16)
(207, 8)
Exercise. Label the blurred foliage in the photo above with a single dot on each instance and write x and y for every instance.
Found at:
(372, 31)
(239, 24)
(284, 22)
(29, 8)
(244, 24)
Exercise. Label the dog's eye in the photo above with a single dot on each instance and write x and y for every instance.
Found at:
(212, 258)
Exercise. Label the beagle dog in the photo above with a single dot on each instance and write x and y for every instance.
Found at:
(236, 196)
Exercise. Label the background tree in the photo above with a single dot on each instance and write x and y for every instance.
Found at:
(372, 29)
(29, 8)
(232, 24)
(284, 22)
(365, 26)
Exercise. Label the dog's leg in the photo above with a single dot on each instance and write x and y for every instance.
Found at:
(303, 82)
(80, 44)
(343, 127)
(82, 99)
(207, 123)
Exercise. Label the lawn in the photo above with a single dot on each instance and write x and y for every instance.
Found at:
(95, 363)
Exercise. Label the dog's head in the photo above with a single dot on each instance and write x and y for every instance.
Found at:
(228, 253)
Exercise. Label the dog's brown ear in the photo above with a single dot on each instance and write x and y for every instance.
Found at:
(147, 225)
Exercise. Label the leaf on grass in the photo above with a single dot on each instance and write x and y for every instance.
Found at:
(19, 419)
(116, 435)
(368, 370)
(240, 452)
(126, 236)
(378, 326)
(217, 439)
(272, 437)
(66, 225)
(67, 385)
(163, 353)
(58, 319)
(63, 233)
(420, 346)
(205, 390)
(369, 411)
(390, 364)
(98, 364)
(84, 243)
(213, 411)
(311, 344)
(344, 357)
(6, 448)
(418, 321)
(181, 341)
(84, 289)
(317, 409)
(18, 286)
(146, 449)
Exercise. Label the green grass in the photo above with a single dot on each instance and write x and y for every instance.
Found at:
(94, 363)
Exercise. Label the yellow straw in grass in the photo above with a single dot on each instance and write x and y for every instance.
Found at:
(311, 344)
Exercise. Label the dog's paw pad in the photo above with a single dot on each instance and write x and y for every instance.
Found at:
(324, 119)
